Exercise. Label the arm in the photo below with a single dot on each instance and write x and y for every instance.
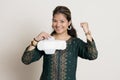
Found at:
(31, 53)
(88, 50)
(31, 56)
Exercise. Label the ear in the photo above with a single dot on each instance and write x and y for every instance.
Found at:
(70, 22)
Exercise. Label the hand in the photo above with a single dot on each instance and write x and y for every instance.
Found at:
(85, 27)
(42, 36)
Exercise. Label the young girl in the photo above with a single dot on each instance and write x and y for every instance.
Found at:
(63, 63)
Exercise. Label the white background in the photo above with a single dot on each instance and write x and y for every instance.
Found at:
(22, 20)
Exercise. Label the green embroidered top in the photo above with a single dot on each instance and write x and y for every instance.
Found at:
(63, 63)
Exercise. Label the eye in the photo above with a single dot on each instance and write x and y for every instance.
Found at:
(62, 21)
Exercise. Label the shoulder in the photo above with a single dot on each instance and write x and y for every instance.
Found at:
(76, 40)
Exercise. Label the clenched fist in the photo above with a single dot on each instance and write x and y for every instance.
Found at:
(85, 27)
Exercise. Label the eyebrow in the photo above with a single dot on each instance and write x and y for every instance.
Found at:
(60, 19)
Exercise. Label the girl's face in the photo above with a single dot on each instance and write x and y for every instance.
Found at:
(60, 23)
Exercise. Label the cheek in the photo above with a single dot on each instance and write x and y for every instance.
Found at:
(66, 25)
(52, 25)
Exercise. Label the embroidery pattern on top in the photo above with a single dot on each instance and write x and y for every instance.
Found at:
(59, 72)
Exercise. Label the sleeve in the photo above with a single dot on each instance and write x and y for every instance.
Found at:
(88, 50)
(31, 56)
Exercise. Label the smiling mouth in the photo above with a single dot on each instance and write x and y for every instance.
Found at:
(58, 28)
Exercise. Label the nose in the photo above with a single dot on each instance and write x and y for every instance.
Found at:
(58, 24)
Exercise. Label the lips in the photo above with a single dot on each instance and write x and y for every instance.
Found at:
(58, 28)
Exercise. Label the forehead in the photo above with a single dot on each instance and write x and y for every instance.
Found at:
(59, 16)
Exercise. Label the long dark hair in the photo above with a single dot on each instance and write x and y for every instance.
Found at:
(64, 10)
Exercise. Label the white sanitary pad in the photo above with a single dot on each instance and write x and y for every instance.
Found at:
(51, 45)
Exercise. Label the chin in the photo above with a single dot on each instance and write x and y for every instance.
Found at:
(59, 32)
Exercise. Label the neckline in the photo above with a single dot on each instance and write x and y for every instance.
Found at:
(63, 40)
(67, 41)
